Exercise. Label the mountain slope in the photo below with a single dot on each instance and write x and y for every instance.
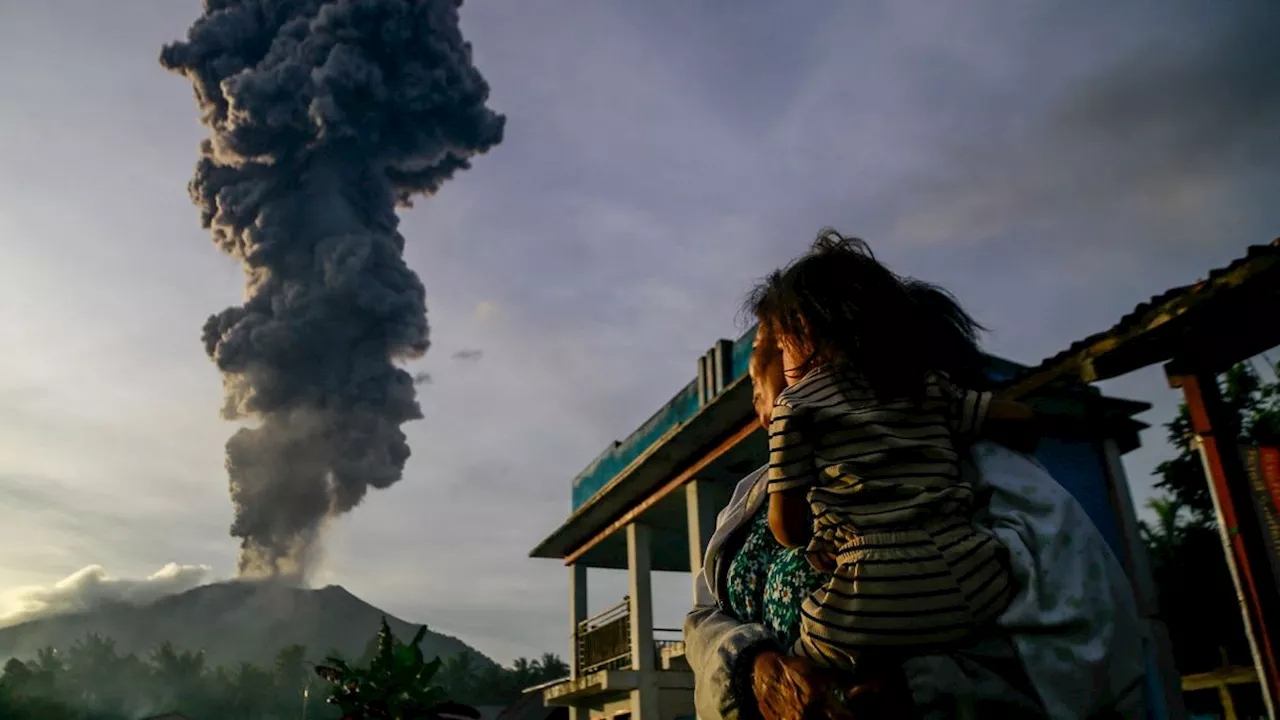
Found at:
(231, 622)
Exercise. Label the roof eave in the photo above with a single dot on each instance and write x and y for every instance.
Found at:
(1156, 329)
(679, 447)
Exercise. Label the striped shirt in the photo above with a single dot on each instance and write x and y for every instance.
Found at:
(871, 464)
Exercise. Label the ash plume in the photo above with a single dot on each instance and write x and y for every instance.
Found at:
(324, 117)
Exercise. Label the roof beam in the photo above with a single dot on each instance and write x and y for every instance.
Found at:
(669, 487)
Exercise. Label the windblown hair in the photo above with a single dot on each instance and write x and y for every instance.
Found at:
(840, 306)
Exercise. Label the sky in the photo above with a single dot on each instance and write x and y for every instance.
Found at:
(1053, 164)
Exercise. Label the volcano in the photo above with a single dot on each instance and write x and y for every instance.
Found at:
(232, 622)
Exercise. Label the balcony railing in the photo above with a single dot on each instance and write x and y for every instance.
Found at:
(674, 638)
(603, 641)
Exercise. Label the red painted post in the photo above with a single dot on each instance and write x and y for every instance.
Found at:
(1241, 534)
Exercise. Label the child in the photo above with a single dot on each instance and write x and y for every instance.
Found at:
(865, 453)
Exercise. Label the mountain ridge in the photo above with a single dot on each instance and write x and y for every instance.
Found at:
(232, 622)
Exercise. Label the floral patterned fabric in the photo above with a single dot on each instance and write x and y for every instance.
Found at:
(767, 583)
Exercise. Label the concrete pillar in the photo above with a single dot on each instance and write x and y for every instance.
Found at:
(577, 613)
(702, 521)
(644, 699)
(703, 381)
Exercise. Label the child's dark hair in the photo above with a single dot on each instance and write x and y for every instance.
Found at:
(846, 308)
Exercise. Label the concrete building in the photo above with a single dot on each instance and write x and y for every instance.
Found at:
(649, 502)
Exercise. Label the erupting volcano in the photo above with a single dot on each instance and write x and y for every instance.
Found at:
(324, 117)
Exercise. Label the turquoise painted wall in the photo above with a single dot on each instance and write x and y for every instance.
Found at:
(677, 411)
(612, 461)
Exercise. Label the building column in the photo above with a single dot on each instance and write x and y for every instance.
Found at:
(1138, 567)
(577, 613)
(702, 522)
(644, 699)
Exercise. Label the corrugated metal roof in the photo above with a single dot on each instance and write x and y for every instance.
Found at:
(1158, 310)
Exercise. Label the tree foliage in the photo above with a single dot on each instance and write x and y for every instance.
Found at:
(398, 684)
(1197, 599)
(93, 680)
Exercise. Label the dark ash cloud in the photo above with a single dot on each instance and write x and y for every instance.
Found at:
(324, 116)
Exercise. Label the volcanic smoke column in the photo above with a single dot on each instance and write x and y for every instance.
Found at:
(323, 118)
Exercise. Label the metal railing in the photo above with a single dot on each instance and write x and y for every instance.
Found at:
(674, 639)
(603, 641)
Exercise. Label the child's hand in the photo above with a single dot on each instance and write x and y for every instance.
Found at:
(793, 688)
(823, 562)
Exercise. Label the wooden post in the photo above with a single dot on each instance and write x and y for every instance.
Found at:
(1243, 543)
(1221, 681)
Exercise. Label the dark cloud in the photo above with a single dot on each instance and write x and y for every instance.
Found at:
(323, 117)
(1174, 134)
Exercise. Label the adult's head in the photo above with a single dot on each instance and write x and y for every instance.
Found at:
(839, 305)
(765, 369)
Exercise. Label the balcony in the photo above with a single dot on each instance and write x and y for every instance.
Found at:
(603, 641)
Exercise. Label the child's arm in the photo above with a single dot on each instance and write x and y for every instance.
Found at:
(1012, 424)
(789, 517)
(791, 472)
(975, 415)
(1009, 411)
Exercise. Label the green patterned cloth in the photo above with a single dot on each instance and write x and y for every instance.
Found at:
(767, 583)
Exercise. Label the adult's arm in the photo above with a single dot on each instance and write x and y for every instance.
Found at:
(721, 651)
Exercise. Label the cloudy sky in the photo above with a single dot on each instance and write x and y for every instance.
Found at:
(1051, 163)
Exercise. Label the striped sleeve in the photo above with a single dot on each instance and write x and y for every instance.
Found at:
(790, 450)
(968, 413)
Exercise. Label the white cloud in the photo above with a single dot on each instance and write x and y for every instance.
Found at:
(91, 587)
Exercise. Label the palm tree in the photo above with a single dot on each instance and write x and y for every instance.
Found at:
(457, 675)
(92, 664)
(178, 677)
(553, 668)
(1166, 536)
